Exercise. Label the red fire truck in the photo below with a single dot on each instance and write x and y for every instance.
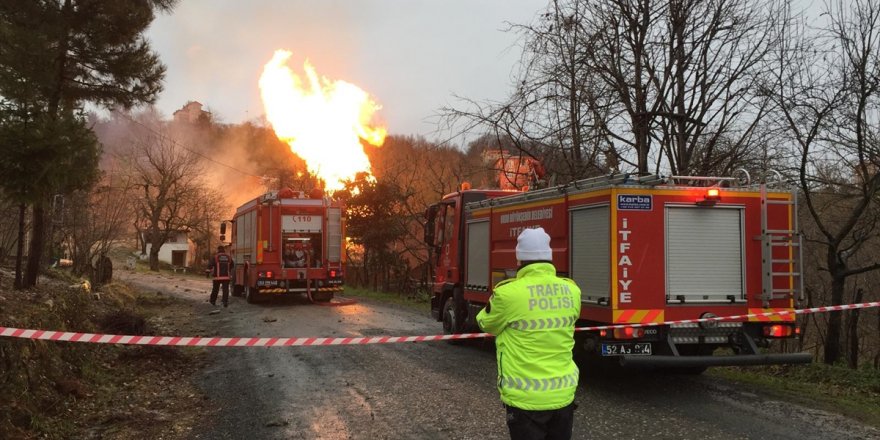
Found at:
(646, 249)
(288, 242)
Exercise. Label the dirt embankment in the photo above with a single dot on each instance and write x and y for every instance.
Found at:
(75, 390)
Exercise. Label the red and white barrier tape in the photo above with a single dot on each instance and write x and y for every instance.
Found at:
(299, 342)
(742, 317)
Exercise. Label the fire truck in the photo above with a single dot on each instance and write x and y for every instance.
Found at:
(643, 249)
(288, 242)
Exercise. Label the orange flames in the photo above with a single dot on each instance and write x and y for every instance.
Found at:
(321, 120)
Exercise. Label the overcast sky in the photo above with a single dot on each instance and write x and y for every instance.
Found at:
(410, 55)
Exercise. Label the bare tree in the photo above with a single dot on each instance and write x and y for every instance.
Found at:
(828, 94)
(556, 100)
(171, 193)
(671, 85)
(684, 76)
(415, 173)
(95, 220)
(210, 207)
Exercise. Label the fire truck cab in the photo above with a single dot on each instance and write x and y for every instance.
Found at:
(643, 250)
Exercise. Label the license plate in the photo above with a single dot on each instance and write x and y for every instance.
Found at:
(643, 348)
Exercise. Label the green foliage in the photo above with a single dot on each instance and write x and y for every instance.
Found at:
(373, 213)
(855, 393)
(420, 304)
(865, 380)
(55, 56)
(40, 156)
(73, 51)
(375, 223)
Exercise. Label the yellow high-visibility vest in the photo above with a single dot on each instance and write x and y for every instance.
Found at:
(532, 317)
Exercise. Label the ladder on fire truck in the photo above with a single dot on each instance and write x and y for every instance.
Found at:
(790, 243)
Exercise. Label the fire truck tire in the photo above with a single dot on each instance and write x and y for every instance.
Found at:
(251, 294)
(452, 320)
(237, 290)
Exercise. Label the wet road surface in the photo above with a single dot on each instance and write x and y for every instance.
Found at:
(435, 390)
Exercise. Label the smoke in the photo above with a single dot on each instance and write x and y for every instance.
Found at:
(228, 164)
(238, 161)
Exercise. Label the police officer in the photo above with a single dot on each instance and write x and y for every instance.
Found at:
(533, 317)
(220, 268)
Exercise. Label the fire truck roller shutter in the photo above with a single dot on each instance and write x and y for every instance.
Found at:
(334, 235)
(591, 252)
(704, 254)
(478, 255)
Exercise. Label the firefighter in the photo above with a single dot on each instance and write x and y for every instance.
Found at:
(220, 269)
(288, 255)
(298, 256)
(533, 317)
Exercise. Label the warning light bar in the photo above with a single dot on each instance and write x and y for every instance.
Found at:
(712, 196)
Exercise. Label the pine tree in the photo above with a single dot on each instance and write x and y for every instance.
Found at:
(40, 156)
(58, 55)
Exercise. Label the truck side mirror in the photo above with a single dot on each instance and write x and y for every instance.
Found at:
(223, 228)
(430, 214)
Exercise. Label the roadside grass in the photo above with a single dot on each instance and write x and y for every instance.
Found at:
(420, 303)
(75, 390)
(835, 388)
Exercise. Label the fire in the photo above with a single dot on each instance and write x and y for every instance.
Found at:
(321, 120)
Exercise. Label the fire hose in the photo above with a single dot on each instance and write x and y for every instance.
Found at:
(334, 302)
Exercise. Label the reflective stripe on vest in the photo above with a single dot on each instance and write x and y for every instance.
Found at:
(546, 384)
(542, 324)
(225, 273)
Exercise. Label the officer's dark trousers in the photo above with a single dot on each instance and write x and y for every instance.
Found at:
(215, 289)
(544, 425)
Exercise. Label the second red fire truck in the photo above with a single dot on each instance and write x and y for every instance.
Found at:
(643, 249)
(288, 242)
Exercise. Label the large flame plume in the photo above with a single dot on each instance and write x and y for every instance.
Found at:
(321, 120)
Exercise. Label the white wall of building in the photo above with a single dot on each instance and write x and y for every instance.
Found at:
(178, 242)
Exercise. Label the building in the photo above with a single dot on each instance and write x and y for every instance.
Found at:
(191, 113)
(178, 251)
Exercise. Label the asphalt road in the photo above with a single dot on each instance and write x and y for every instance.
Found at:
(435, 390)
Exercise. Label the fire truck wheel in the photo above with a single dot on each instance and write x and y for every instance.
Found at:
(237, 290)
(251, 294)
(451, 320)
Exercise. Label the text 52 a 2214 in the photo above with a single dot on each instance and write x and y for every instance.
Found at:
(643, 348)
